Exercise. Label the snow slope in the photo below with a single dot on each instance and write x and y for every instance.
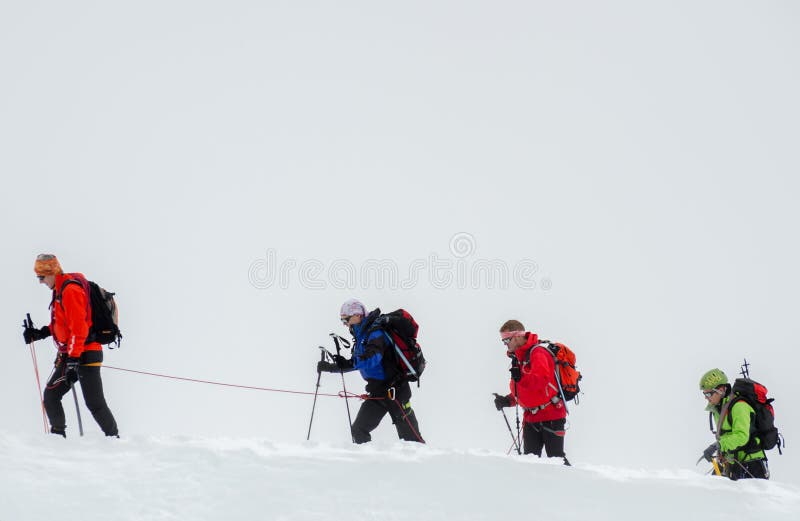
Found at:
(171, 478)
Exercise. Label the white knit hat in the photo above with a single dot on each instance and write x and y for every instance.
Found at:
(353, 307)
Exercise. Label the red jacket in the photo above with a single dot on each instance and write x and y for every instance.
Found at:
(71, 318)
(538, 384)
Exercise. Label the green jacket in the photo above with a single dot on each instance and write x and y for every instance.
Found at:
(734, 433)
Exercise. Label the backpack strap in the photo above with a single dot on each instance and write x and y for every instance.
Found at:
(545, 344)
(752, 445)
(57, 296)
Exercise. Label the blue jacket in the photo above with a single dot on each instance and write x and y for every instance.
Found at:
(373, 354)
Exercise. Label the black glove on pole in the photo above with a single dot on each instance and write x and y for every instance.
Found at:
(501, 401)
(316, 391)
(336, 339)
(31, 334)
(71, 372)
(712, 449)
(498, 399)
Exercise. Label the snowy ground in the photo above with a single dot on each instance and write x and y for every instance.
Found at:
(171, 478)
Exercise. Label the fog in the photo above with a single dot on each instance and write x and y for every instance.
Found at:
(630, 167)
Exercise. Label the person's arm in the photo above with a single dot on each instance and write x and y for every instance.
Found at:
(740, 416)
(537, 385)
(374, 351)
(73, 299)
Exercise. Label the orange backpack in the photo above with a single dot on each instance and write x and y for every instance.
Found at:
(566, 373)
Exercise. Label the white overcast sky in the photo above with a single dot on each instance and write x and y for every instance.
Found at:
(642, 154)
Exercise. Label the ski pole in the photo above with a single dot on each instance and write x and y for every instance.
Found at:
(77, 409)
(515, 363)
(336, 339)
(316, 391)
(28, 323)
(510, 432)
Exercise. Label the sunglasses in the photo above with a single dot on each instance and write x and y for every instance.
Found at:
(507, 341)
(709, 394)
(346, 320)
(40, 277)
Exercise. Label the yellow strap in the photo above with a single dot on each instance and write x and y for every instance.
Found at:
(716, 467)
(96, 364)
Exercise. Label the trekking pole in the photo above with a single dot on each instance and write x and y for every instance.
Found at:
(316, 392)
(28, 323)
(515, 363)
(77, 409)
(336, 339)
(510, 432)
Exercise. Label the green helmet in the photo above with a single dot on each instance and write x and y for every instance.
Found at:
(713, 379)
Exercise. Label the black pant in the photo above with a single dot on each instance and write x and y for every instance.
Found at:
(549, 434)
(751, 469)
(92, 388)
(372, 412)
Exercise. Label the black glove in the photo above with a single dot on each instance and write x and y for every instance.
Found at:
(327, 367)
(343, 363)
(72, 369)
(501, 401)
(708, 454)
(31, 334)
(516, 374)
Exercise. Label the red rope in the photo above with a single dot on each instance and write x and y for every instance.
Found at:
(405, 417)
(339, 395)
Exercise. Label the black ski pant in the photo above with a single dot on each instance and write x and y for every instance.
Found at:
(399, 409)
(549, 434)
(757, 469)
(92, 389)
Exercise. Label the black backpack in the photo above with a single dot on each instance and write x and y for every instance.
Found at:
(401, 328)
(104, 315)
(755, 395)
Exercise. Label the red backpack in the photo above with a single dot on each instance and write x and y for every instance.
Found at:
(401, 328)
